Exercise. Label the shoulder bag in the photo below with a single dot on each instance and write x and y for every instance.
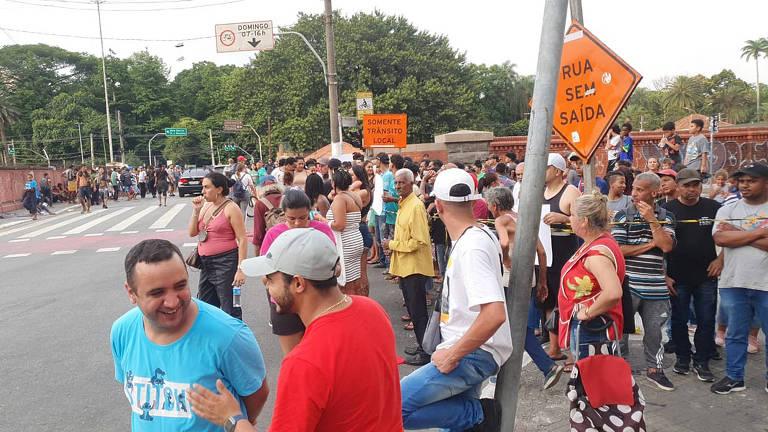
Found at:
(193, 260)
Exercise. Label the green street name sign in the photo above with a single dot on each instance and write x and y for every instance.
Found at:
(175, 132)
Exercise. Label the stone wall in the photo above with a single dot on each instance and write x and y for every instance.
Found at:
(12, 185)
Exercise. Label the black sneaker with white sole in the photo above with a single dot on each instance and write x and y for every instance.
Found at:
(681, 368)
(703, 372)
(727, 385)
(657, 377)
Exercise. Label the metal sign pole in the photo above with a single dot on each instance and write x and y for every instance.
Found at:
(531, 197)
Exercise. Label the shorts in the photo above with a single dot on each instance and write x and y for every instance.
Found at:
(84, 192)
(283, 324)
(367, 236)
(162, 188)
(128, 189)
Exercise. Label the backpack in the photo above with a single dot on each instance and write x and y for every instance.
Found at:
(238, 190)
(274, 215)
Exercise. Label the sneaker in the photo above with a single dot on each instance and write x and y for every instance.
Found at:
(720, 338)
(419, 359)
(681, 368)
(753, 345)
(657, 377)
(411, 350)
(703, 372)
(727, 385)
(716, 355)
(550, 379)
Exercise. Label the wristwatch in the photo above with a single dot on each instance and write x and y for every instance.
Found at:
(229, 426)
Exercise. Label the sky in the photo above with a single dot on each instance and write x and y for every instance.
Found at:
(660, 39)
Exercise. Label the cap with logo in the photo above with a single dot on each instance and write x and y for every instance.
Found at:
(573, 156)
(556, 160)
(455, 185)
(688, 175)
(753, 170)
(304, 252)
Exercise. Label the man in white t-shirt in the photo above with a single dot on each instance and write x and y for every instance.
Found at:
(518, 185)
(475, 335)
(612, 140)
(743, 282)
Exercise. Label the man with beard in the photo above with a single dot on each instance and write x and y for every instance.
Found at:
(151, 346)
(342, 376)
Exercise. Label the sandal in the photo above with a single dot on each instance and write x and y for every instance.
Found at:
(405, 318)
(568, 367)
(408, 326)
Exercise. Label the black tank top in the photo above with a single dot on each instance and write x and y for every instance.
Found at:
(563, 244)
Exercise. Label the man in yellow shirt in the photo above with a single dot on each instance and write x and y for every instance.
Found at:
(412, 259)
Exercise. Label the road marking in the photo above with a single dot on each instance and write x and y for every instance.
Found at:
(189, 245)
(131, 220)
(17, 240)
(10, 224)
(164, 230)
(167, 217)
(72, 207)
(36, 224)
(93, 235)
(112, 249)
(97, 221)
(16, 255)
(64, 252)
(55, 237)
(60, 224)
(129, 232)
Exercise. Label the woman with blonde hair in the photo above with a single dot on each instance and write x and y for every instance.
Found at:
(590, 282)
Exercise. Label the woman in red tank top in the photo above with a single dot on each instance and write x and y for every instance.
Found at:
(590, 282)
(219, 226)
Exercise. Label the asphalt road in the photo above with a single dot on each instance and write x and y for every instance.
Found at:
(62, 285)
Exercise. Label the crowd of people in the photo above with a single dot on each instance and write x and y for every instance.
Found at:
(645, 243)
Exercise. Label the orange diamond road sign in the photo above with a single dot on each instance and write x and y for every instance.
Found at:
(594, 86)
(385, 130)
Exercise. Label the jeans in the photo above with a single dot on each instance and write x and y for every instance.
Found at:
(741, 304)
(384, 231)
(704, 302)
(216, 277)
(585, 339)
(722, 317)
(432, 399)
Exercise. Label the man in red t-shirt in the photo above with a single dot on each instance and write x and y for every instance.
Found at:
(343, 375)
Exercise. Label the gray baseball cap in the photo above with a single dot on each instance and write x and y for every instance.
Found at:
(304, 252)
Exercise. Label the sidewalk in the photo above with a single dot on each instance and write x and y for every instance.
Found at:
(692, 407)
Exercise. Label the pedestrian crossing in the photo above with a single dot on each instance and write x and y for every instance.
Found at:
(101, 231)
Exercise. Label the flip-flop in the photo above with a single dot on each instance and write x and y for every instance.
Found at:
(405, 318)
(562, 357)
(408, 326)
(568, 367)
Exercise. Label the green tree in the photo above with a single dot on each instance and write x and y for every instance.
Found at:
(8, 114)
(684, 92)
(502, 96)
(190, 149)
(752, 50)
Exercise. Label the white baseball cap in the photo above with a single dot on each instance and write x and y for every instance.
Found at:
(556, 160)
(304, 252)
(455, 185)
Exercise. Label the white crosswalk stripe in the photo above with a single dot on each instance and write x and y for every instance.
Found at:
(64, 252)
(17, 255)
(60, 224)
(109, 249)
(131, 220)
(18, 240)
(165, 219)
(97, 221)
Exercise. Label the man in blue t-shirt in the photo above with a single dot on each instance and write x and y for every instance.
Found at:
(386, 221)
(626, 151)
(171, 341)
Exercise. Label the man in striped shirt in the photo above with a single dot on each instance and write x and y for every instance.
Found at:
(644, 241)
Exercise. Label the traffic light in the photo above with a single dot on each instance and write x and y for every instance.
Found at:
(228, 147)
(11, 149)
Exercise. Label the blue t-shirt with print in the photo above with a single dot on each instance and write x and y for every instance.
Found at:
(626, 152)
(32, 184)
(390, 208)
(156, 378)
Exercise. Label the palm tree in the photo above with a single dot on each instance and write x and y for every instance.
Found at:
(752, 50)
(682, 92)
(8, 115)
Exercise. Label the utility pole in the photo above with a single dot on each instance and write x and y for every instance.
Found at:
(333, 91)
(92, 151)
(531, 196)
(259, 137)
(210, 139)
(269, 134)
(589, 174)
(104, 76)
(14, 153)
(149, 146)
(120, 131)
(80, 134)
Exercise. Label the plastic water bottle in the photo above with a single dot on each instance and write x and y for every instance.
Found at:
(236, 291)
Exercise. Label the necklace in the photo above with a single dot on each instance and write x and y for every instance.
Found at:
(342, 301)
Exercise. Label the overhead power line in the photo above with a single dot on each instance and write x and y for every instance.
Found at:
(106, 38)
(51, 5)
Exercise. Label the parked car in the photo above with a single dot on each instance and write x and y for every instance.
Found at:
(191, 181)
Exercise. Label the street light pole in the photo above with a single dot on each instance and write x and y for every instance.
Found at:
(258, 136)
(80, 134)
(333, 84)
(149, 146)
(104, 76)
(531, 196)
